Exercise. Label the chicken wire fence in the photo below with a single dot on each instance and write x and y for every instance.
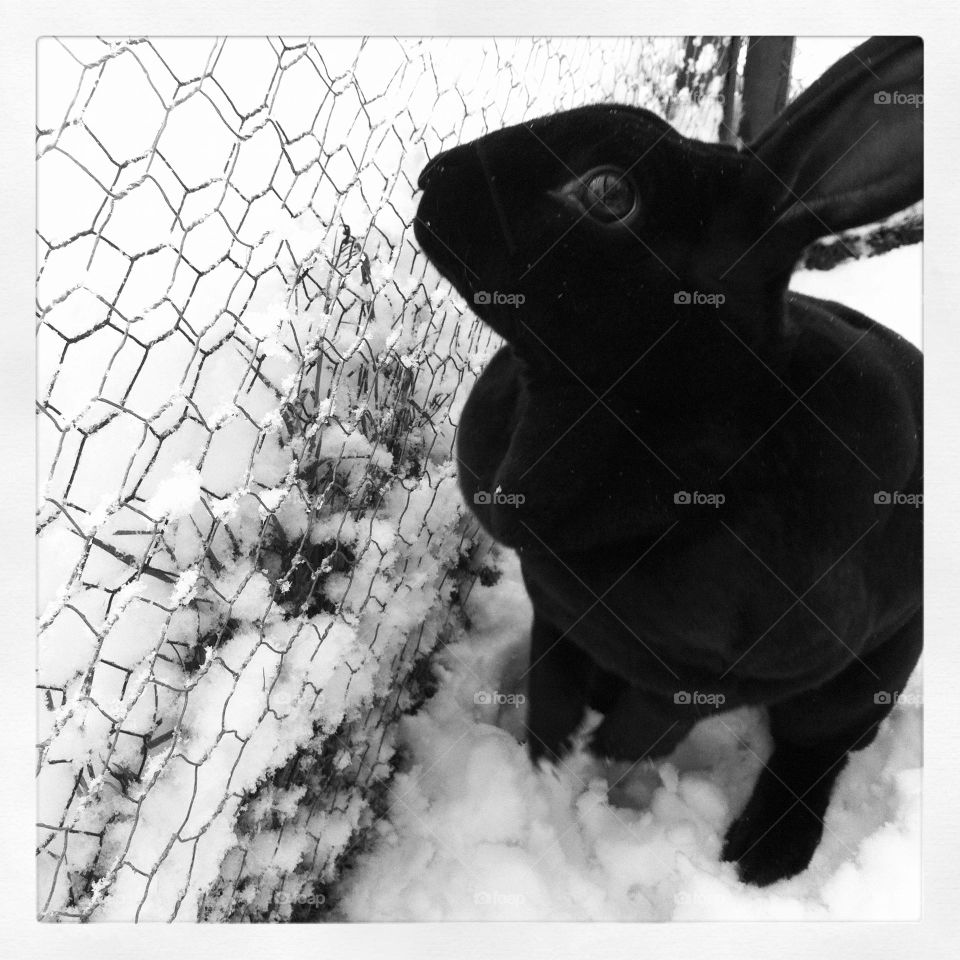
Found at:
(249, 381)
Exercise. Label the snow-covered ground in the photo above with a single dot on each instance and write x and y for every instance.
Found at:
(889, 288)
(474, 832)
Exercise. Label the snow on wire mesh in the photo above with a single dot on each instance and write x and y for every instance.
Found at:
(249, 533)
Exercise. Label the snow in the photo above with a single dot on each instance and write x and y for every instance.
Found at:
(813, 55)
(887, 288)
(177, 495)
(474, 832)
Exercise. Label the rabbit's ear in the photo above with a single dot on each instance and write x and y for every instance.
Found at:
(849, 150)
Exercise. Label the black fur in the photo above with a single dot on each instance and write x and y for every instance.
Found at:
(799, 591)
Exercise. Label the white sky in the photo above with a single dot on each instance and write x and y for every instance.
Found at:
(812, 55)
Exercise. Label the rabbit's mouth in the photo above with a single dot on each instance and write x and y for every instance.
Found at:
(463, 227)
(496, 200)
(445, 224)
(445, 254)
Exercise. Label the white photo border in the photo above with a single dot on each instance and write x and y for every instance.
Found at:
(20, 933)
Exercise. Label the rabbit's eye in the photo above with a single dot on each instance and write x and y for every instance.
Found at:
(609, 195)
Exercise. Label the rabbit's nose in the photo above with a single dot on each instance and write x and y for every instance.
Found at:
(431, 167)
(442, 162)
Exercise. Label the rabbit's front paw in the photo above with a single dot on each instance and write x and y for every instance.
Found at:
(777, 834)
(766, 852)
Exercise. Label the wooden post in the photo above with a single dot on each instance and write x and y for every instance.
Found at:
(766, 80)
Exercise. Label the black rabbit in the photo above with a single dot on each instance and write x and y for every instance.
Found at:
(713, 484)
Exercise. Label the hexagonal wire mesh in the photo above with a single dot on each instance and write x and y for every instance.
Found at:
(249, 385)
